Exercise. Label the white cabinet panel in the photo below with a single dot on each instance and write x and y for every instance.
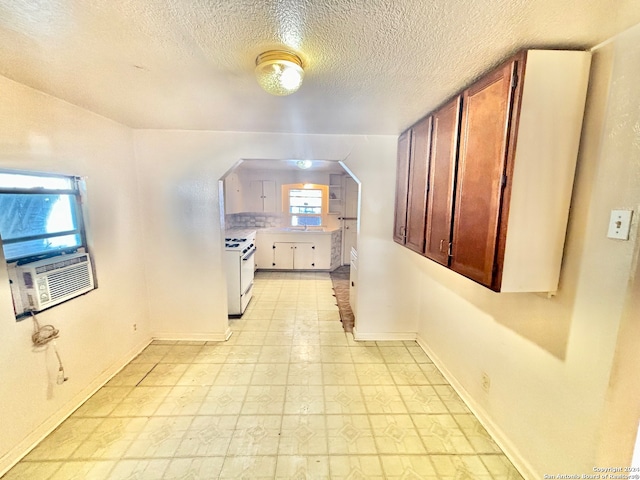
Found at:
(283, 255)
(261, 196)
(294, 256)
(269, 203)
(264, 251)
(304, 256)
(350, 197)
(294, 251)
(232, 194)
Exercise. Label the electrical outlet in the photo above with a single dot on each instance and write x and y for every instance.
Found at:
(486, 382)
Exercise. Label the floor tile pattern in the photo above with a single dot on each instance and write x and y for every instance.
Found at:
(289, 396)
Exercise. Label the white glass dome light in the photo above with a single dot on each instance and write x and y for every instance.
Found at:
(304, 164)
(279, 72)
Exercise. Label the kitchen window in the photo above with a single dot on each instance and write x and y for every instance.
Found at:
(40, 215)
(305, 206)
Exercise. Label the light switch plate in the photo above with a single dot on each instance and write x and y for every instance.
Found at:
(619, 224)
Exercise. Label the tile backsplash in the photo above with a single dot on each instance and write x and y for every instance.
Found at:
(254, 220)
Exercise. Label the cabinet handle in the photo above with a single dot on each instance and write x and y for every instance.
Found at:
(441, 242)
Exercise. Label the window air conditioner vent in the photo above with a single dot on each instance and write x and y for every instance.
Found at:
(46, 283)
(69, 280)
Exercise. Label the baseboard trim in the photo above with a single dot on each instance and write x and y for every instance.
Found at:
(21, 449)
(512, 453)
(193, 337)
(382, 336)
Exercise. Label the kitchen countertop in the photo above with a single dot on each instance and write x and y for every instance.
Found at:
(240, 232)
(299, 230)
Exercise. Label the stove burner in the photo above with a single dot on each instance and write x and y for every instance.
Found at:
(231, 245)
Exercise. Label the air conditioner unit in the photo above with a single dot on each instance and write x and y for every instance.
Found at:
(48, 282)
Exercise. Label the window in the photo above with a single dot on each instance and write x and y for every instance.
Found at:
(305, 207)
(40, 215)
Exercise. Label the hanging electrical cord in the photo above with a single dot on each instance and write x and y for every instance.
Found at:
(42, 335)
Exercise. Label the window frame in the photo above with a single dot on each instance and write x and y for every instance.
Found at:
(286, 197)
(77, 211)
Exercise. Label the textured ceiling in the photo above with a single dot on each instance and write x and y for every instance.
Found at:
(372, 66)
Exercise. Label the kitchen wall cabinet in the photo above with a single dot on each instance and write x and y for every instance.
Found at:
(500, 184)
(232, 194)
(482, 176)
(444, 151)
(410, 220)
(261, 196)
(417, 194)
(402, 187)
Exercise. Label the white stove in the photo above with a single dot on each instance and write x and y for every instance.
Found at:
(240, 267)
(240, 244)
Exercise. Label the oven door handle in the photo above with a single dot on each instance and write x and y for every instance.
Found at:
(249, 255)
(247, 290)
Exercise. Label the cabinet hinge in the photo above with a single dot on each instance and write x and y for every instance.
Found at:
(424, 245)
(514, 79)
(450, 249)
(503, 181)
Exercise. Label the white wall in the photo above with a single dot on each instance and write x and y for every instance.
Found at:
(550, 359)
(292, 175)
(179, 197)
(40, 133)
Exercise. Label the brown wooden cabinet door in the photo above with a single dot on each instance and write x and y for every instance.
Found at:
(402, 187)
(484, 137)
(444, 151)
(418, 177)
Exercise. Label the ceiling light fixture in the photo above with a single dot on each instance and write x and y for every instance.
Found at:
(279, 72)
(303, 164)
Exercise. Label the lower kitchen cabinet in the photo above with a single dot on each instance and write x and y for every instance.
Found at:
(294, 251)
(294, 256)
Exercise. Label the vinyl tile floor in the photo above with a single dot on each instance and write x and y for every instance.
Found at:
(289, 396)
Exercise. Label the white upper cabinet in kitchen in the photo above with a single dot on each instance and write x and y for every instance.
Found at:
(232, 194)
(261, 196)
